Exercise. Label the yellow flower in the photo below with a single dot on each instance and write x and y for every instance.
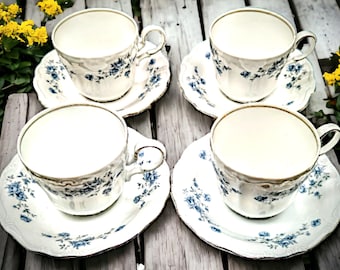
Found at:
(14, 10)
(337, 73)
(39, 35)
(10, 29)
(10, 12)
(50, 7)
(329, 78)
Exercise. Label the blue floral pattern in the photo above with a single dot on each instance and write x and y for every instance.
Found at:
(198, 201)
(295, 73)
(149, 185)
(121, 67)
(88, 188)
(65, 240)
(154, 78)
(56, 72)
(314, 181)
(19, 187)
(198, 85)
(284, 240)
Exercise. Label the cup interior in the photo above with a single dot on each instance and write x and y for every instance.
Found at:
(94, 33)
(252, 33)
(265, 142)
(72, 141)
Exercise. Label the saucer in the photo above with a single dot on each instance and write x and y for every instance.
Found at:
(54, 86)
(29, 216)
(314, 214)
(295, 84)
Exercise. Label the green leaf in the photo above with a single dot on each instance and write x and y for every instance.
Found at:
(2, 83)
(9, 43)
(319, 114)
(65, 3)
(337, 105)
(337, 116)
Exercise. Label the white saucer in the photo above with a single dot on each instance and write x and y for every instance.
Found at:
(55, 87)
(30, 217)
(314, 214)
(197, 80)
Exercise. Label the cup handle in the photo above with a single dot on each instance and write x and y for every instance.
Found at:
(145, 32)
(299, 37)
(323, 131)
(148, 156)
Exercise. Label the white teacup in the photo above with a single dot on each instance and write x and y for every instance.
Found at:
(79, 155)
(262, 153)
(250, 46)
(100, 49)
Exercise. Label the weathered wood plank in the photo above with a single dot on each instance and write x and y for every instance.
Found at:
(238, 263)
(119, 258)
(322, 17)
(14, 120)
(327, 254)
(119, 5)
(168, 243)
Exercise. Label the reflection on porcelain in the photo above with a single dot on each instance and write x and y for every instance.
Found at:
(29, 216)
(247, 62)
(54, 86)
(83, 172)
(197, 79)
(312, 216)
(102, 66)
(261, 166)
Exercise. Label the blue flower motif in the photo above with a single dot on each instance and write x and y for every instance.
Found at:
(25, 218)
(215, 229)
(152, 61)
(316, 222)
(245, 74)
(203, 154)
(264, 234)
(80, 243)
(64, 234)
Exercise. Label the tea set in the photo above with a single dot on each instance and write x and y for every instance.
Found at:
(83, 182)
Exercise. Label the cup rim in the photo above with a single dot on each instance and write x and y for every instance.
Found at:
(276, 180)
(74, 14)
(43, 113)
(259, 10)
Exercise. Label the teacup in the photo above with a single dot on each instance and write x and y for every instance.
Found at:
(262, 154)
(250, 46)
(79, 155)
(100, 49)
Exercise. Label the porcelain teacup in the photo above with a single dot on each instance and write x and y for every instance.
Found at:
(79, 155)
(100, 49)
(261, 155)
(250, 46)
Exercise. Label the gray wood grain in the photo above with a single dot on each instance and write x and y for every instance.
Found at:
(322, 18)
(168, 242)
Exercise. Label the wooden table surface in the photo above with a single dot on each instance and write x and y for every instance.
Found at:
(168, 243)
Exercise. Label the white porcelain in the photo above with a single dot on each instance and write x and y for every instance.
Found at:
(30, 217)
(78, 154)
(313, 215)
(250, 46)
(261, 155)
(100, 49)
(295, 84)
(55, 87)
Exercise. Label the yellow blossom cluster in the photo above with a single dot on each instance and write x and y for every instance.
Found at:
(8, 13)
(50, 7)
(25, 32)
(334, 77)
